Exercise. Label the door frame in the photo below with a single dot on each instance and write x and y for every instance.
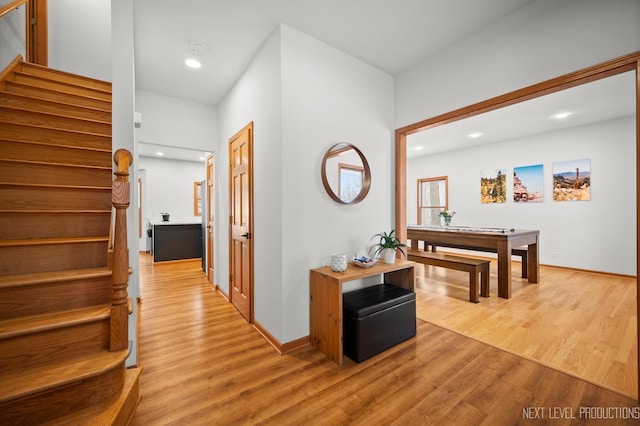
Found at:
(630, 62)
(249, 128)
(209, 190)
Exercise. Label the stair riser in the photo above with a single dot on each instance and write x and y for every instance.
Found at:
(52, 95)
(50, 74)
(40, 105)
(54, 154)
(20, 116)
(47, 174)
(43, 136)
(49, 405)
(50, 297)
(52, 345)
(15, 226)
(34, 198)
(60, 86)
(32, 259)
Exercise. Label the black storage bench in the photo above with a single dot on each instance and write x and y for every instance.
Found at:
(376, 318)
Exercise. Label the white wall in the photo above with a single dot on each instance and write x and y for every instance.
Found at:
(169, 188)
(542, 40)
(590, 235)
(347, 101)
(121, 66)
(176, 122)
(303, 97)
(256, 97)
(80, 37)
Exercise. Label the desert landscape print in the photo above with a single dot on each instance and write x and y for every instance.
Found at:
(572, 180)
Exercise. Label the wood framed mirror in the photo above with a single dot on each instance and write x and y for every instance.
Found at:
(345, 173)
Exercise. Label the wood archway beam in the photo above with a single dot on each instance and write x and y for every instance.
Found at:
(606, 69)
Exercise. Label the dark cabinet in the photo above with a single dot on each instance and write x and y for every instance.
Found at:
(179, 241)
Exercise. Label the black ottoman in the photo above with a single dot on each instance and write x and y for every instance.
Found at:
(376, 318)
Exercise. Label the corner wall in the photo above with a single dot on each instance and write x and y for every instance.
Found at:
(304, 96)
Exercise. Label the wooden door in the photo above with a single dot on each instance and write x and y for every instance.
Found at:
(241, 221)
(209, 220)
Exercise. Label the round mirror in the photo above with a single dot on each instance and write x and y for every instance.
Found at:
(345, 173)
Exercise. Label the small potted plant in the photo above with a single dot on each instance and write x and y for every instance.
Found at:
(165, 217)
(447, 215)
(387, 245)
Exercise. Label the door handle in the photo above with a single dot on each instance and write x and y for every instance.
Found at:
(246, 235)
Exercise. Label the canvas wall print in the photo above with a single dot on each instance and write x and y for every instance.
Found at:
(493, 186)
(572, 180)
(528, 184)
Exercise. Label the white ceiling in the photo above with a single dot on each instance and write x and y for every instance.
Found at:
(391, 35)
(171, 152)
(601, 100)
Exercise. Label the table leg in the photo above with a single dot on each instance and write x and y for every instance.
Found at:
(504, 269)
(533, 264)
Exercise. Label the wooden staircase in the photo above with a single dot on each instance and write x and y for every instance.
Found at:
(58, 294)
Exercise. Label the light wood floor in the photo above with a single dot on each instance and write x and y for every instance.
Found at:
(203, 364)
(579, 322)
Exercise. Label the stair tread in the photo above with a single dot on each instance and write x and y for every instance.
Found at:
(37, 323)
(19, 98)
(32, 69)
(22, 382)
(53, 276)
(61, 85)
(52, 114)
(51, 241)
(16, 87)
(40, 185)
(79, 132)
(43, 163)
(107, 414)
(38, 142)
(41, 211)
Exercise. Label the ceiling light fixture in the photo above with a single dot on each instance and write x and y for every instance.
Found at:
(418, 148)
(193, 63)
(561, 115)
(197, 49)
(475, 135)
(159, 153)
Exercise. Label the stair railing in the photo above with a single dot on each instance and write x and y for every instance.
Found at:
(120, 198)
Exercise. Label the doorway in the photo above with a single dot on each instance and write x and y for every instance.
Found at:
(611, 68)
(209, 219)
(241, 221)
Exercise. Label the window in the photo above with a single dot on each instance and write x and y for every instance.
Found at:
(433, 197)
(350, 178)
(197, 198)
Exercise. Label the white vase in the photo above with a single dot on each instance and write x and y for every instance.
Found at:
(338, 262)
(389, 255)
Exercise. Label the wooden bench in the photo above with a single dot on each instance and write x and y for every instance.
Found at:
(518, 251)
(459, 263)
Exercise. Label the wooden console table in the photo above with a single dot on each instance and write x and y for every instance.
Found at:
(325, 320)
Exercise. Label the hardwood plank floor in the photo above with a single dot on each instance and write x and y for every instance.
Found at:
(203, 364)
(578, 322)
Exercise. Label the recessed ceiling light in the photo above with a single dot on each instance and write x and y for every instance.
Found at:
(561, 115)
(193, 63)
(418, 148)
(159, 153)
(474, 135)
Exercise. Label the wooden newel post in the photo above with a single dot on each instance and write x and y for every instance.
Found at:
(120, 198)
